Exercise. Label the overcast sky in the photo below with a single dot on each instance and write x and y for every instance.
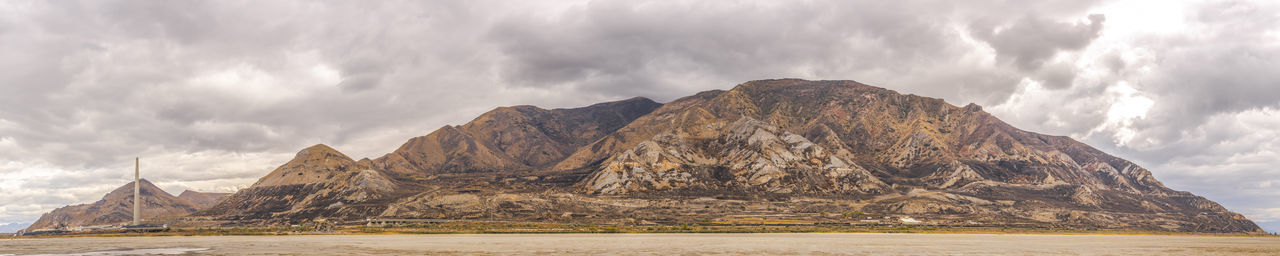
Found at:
(215, 94)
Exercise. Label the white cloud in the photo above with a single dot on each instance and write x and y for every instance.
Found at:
(1127, 105)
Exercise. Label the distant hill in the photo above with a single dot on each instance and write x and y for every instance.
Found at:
(321, 181)
(117, 208)
(318, 180)
(13, 227)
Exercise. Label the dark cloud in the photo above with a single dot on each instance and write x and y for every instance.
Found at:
(1031, 41)
(622, 48)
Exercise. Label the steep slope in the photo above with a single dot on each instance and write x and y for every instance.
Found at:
(511, 138)
(785, 136)
(322, 182)
(749, 155)
(203, 199)
(319, 181)
(117, 208)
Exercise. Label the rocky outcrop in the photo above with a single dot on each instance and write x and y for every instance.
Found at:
(319, 181)
(322, 182)
(953, 174)
(203, 199)
(788, 134)
(116, 207)
(747, 154)
(904, 139)
(512, 138)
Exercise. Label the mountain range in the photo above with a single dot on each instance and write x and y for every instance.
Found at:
(117, 208)
(822, 151)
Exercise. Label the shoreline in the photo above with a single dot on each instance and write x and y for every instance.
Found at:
(653, 244)
(559, 228)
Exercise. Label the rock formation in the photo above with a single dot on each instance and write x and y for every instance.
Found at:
(318, 179)
(512, 138)
(785, 147)
(117, 208)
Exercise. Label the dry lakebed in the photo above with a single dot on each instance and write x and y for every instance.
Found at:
(651, 244)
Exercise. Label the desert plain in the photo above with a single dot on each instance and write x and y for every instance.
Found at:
(650, 244)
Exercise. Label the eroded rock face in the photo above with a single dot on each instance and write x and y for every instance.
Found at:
(512, 138)
(953, 174)
(779, 136)
(902, 139)
(319, 181)
(748, 154)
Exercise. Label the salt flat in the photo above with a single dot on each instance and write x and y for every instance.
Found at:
(653, 244)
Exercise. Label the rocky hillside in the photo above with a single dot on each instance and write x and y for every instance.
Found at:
(910, 154)
(784, 148)
(321, 181)
(512, 138)
(746, 155)
(117, 208)
(203, 199)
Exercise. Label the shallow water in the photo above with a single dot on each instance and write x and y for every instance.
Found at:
(657, 244)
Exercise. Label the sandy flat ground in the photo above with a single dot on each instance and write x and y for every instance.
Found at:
(653, 244)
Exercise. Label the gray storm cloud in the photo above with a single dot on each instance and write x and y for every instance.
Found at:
(215, 94)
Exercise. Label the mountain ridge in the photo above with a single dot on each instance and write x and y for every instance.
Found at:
(853, 147)
(780, 148)
(116, 207)
(519, 137)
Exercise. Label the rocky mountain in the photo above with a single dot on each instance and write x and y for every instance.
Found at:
(117, 208)
(318, 180)
(747, 154)
(785, 148)
(203, 199)
(822, 138)
(512, 138)
(321, 181)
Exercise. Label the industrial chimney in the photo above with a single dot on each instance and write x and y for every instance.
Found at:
(137, 184)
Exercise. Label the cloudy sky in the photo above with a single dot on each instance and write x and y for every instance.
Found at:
(215, 94)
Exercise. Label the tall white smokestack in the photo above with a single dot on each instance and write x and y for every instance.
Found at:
(137, 184)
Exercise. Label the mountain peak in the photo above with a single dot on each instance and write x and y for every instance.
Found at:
(638, 99)
(632, 100)
(794, 82)
(117, 207)
(319, 149)
(512, 138)
(320, 152)
(973, 107)
(310, 165)
(127, 189)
